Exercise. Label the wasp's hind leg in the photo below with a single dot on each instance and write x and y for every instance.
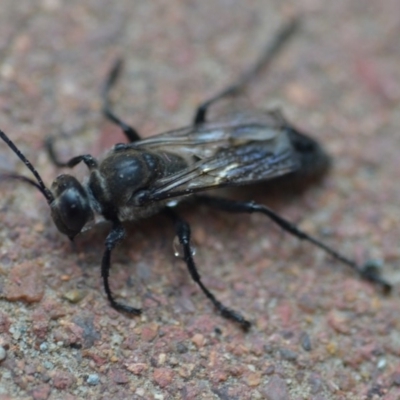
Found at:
(270, 52)
(131, 133)
(182, 229)
(368, 271)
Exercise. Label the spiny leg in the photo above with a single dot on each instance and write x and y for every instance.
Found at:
(270, 52)
(114, 237)
(368, 271)
(182, 229)
(131, 133)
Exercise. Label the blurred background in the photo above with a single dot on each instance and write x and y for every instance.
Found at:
(319, 332)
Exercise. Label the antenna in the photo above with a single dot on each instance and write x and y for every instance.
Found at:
(40, 185)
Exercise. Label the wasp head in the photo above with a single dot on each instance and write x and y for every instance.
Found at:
(71, 208)
(68, 200)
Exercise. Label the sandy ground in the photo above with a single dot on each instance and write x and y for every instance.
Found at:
(319, 332)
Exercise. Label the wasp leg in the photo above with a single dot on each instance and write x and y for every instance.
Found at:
(87, 159)
(131, 133)
(182, 229)
(270, 52)
(367, 272)
(114, 237)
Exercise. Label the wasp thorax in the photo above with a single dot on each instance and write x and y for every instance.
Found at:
(71, 208)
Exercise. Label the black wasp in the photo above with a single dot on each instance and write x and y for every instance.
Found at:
(148, 176)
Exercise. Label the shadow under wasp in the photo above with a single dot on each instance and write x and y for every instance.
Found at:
(147, 176)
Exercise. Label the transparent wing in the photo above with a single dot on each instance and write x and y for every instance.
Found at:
(204, 141)
(240, 150)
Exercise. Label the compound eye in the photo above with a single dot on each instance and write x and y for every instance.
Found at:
(71, 209)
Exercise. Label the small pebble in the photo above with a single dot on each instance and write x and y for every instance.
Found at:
(287, 354)
(3, 353)
(93, 379)
(381, 363)
(44, 346)
(305, 341)
(75, 295)
(48, 365)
